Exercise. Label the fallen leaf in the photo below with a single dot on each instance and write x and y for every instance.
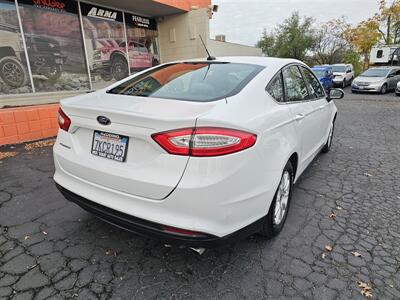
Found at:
(391, 285)
(367, 294)
(40, 144)
(44, 232)
(364, 285)
(328, 248)
(339, 208)
(356, 254)
(368, 175)
(26, 237)
(323, 255)
(366, 289)
(111, 252)
(332, 216)
(7, 154)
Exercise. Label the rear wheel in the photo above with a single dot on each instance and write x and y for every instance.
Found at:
(276, 217)
(12, 72)
(119, 67)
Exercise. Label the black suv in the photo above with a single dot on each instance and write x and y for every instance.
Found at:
(44, 55)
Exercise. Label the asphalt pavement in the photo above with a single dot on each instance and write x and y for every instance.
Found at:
(341, 239)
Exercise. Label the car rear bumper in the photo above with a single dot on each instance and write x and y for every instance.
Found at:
(205, 200)
(154, 230)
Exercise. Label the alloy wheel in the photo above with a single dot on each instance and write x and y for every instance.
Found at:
(13, 73)
(282, 199)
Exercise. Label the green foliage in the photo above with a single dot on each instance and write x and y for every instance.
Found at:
(292, 39)
(352, 57)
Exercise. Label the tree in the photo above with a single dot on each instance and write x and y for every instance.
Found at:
(363, 37)
(291, 39)
(389, 19)
(266, 43)
(330, 47)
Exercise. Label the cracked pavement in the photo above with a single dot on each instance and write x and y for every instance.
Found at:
(348, 199)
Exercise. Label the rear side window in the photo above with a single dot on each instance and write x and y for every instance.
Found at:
(379, 54)
(197, 81)
(295, 87)
(315, 88)
(275, 88)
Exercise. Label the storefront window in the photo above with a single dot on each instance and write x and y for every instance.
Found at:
(54, 43)
(142, 42)
(14, 76)
(105, 44)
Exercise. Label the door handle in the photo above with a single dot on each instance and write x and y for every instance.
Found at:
(299, 117)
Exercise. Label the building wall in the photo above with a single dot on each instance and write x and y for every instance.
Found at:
(218, 48)
(179, 35)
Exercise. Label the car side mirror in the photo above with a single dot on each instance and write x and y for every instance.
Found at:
(335, 94)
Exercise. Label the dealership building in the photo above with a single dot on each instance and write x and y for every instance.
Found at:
(54, 49)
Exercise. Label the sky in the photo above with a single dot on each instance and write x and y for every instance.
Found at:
(242, 21)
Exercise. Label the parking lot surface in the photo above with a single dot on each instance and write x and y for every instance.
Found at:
(341, 239)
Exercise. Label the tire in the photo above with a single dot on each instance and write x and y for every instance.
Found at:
(343, 85)
(13, 72)
(273, 224)
(328, 144)
(354, 91)
(53, 73)
(119, 67)
(106, 76)
(384, 89)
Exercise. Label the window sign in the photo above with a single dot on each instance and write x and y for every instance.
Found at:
(54, 44)
(141, 33)
(14, 76)
(105, 44)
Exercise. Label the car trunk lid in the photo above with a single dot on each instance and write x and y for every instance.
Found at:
(148, 171)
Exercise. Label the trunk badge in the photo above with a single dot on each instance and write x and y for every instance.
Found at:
(103, 120)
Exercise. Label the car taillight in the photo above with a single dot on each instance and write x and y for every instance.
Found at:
(63, 121)
(204, 141)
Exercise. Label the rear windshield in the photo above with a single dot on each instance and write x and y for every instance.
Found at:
(197, 81)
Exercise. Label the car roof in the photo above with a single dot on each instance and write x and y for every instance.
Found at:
(273, 63)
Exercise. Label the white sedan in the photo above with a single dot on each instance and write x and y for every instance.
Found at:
(195, 152)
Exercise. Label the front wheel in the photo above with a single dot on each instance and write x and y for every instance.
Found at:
(384, 89)
(13, 72)
(119, 67)
(276, 217)
(327, 146)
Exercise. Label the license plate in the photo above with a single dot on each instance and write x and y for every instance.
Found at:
(110, 145)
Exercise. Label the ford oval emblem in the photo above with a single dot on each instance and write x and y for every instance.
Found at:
(103, 120)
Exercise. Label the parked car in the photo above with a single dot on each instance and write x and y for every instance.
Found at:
(195, 152)
(110, 60)
(398, 89)
(44, 54)
(381, 80)
(343, 74)
(324, 75)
